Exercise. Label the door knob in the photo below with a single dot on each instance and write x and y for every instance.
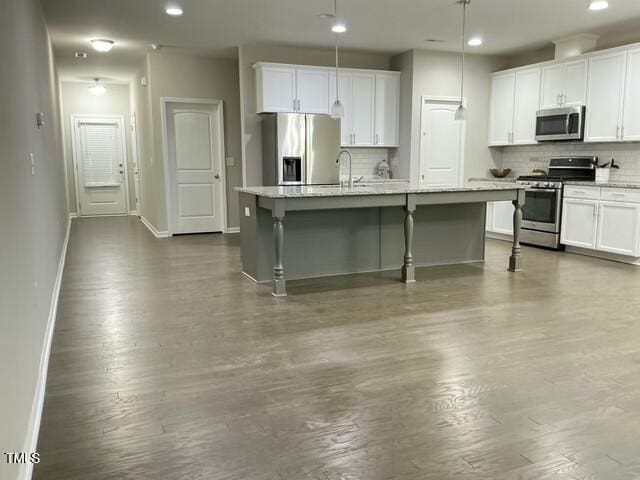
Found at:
(216, 176)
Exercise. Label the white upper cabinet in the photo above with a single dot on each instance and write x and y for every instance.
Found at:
(574, 90)
(564, 84)
(344, 91)
(312, 90)
(501, 109)
(551, 91)
(605, 96)
(631, 120)
(371, 99)
(527, 99)
(363, 105)
(387, 99)
(276, 89)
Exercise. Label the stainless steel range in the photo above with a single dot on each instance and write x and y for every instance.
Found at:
(542, 212)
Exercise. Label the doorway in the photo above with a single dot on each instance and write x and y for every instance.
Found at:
(100, 164)
(194, 154)
(441, 143)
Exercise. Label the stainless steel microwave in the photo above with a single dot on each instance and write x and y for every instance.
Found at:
(558, 124)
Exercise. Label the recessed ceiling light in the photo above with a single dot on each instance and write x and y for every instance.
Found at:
(102, 44)
(97, 88)
(475, 41)
(434, 40)
(326, 16)
(597, 5)
(174, 11)
(80, 54)
(339, 28)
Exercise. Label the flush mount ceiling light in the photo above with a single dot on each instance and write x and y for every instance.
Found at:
(339, 28)
(475, 41)
(102, 45)
(174, 10)
(598, 5)
(97, 88)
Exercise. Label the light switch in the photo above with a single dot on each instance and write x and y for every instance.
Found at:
(32, 161)
(247, 212)
(231, 162)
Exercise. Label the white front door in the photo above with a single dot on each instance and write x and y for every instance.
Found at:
(196, 180)
(99, 154)
(441, 144)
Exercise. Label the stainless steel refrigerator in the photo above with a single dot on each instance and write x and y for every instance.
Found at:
(300, 149)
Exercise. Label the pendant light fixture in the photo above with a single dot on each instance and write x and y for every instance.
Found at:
(461, 112)
(337, 109)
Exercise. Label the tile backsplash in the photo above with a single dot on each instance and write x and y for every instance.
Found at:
(365, 161)
(523, 159)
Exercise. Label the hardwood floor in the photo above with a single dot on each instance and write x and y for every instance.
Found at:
(167, 363)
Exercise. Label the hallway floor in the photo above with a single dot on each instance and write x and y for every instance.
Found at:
(167, 363)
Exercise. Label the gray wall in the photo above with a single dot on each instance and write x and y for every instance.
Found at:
(184, 76)
(251, 54)
(33, 213)
(438, 73)
(76, 99)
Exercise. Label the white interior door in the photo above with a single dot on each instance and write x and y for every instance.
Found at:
(99, 153)
(441, 144)
(196, 178)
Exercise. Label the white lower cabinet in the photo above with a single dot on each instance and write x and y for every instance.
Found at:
(579, 220)
(618, 225)
(500, 218)
(597, 223)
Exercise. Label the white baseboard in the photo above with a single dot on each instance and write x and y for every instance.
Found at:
(152, 229)
(31, 441)
(500, 236)
(233, 230)
(604, 255)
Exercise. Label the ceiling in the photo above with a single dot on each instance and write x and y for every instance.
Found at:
(393, 26)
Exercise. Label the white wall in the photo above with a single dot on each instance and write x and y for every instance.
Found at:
(438, 74)
(251, 54)
(184, 76)
(76, 99)
(33, 215)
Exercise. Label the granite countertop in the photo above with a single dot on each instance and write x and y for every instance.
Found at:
(384, 189)
(493, 179)
(603, 184)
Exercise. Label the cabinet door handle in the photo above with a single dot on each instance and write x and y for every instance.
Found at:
(294, 104)
(618, 132)
(377, 140)
(622, 132)
(559, 99)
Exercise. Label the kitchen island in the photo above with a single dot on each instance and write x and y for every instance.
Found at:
(297, 232)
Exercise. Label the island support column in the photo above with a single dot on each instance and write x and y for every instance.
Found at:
(408, 268)
(279, 283)
(515, 261)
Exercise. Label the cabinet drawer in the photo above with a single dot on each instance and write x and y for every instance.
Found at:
(621, 195)
(578, 191)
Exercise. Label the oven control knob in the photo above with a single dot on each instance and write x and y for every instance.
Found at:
(535, 184)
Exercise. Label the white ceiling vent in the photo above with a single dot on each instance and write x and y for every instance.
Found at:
(575, 45)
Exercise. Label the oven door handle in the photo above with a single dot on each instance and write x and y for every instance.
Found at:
(549, 190)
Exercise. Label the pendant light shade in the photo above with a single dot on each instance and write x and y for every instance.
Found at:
(337, 109)
(461, 112)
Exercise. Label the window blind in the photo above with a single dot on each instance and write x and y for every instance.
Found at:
(100, 148)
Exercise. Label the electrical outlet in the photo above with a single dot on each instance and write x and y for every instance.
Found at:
(247, 212)
(32, 161)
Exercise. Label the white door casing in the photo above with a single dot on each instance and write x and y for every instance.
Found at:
(100, 164)
(441, 143)
(194, 166)
(136, 167)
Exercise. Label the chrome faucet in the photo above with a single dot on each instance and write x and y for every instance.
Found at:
(350, 164)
